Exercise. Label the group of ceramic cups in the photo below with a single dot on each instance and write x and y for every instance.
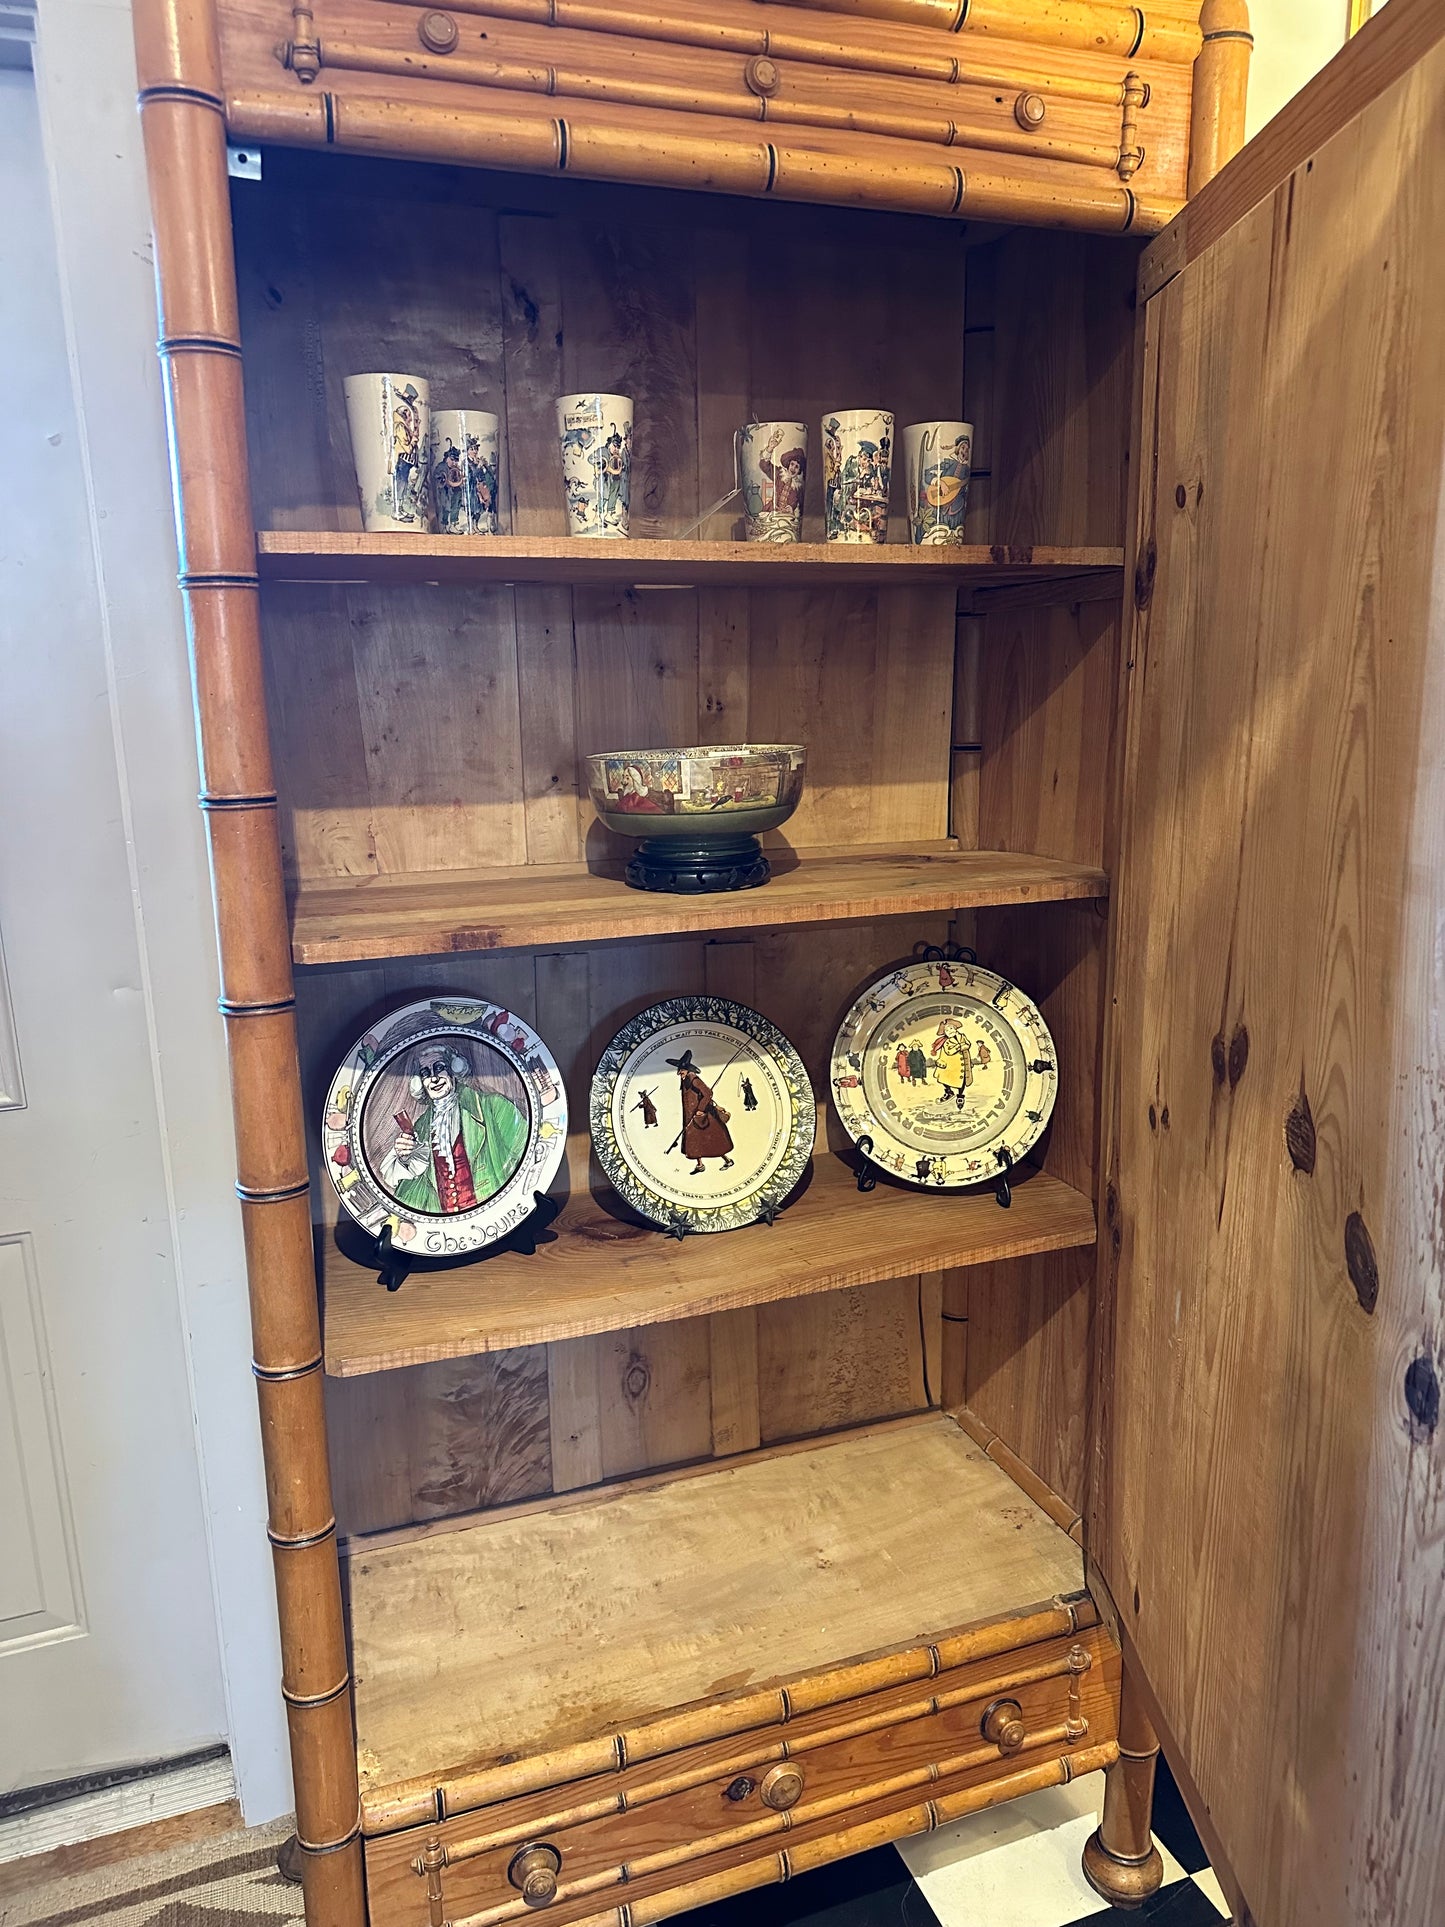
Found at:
(419, 469)
(772, 465)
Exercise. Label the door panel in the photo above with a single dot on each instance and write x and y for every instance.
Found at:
(1268, 1507)
(108, 1649)
(39, 1589)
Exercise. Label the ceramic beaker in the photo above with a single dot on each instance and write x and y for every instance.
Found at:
(390, 443)
(772, 473)
(857, 468)
(936, 463)
(596, 437)
(464, 470)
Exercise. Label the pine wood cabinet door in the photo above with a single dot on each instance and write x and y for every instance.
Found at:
(1268, 1491)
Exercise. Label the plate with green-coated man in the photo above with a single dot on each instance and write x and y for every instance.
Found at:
(442, 1123)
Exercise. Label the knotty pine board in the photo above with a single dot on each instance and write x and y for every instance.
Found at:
(1269, 1506)
(515, 1636)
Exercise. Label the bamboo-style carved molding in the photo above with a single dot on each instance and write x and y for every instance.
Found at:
(1061, 113)
(802, 1857)
(420, 1803)
(178, 63)
(1095, 26)
(1071, 1666)
(702, 1846)
(593, 148)
(917, 61)
(932, 128)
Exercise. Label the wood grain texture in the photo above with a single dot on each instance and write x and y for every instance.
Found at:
(1268, 1502)
(519, 1635)
(338, 555)
(1039, 695)
(607, 1273)
(418, 914)
(459, 1437)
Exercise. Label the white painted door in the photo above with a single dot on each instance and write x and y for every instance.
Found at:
(108, 1642)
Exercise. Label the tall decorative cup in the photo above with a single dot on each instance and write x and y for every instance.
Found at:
(464, 470)
(390, 443)
(936, 462)
(772, 471)
(596, 436)
(857, 468)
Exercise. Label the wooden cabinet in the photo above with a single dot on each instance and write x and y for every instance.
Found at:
(671, 1569)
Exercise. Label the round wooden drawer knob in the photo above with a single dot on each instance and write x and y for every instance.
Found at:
(782, 1787)
(1003, 1723)
(762, 76)
(437, 32)
(534, 1872)
(1029, 111)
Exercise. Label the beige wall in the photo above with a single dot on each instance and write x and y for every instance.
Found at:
(1292, 40)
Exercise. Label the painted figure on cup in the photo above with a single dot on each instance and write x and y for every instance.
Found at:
(406, 444)
(772, 474)
(596, 438)
(459, 1145)
(389, 419)
(938, 458)
(464, 470)
(857, 472)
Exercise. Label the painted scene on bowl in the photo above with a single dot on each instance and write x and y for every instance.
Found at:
(709, 784)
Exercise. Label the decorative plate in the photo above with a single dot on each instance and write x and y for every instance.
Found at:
(949, 1068)
(441, 1122)
(702, 1115)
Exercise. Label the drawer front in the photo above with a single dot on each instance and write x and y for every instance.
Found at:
(581, 1850)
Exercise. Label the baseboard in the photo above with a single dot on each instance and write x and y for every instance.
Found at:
(129, 1806)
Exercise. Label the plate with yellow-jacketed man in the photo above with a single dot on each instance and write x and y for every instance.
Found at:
(948, 1068)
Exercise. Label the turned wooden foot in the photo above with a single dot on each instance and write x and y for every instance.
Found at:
(1121, 1861)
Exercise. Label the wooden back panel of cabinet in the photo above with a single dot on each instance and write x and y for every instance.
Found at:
(1268, 1499)
(425, 730)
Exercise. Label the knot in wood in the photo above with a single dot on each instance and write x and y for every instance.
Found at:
(1029, 111)
(762, 76)
(1422, 1392)
(1360, 1261)
(437, 32)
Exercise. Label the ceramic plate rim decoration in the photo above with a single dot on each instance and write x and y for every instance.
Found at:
(760, 1030)
(881, 1000)
(418, 1231)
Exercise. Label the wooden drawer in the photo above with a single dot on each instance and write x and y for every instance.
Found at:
(856, 1772)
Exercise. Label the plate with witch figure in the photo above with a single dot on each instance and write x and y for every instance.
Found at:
(948, 1068)
(441, 1123)
(702, 1115)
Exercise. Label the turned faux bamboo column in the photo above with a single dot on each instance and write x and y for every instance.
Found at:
(1221, 81)
(185, 143)
(1121, 1861)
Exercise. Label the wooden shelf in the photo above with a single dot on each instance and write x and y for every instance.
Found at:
(354, 919)
(602, 1273)
(327, 555)
(784, 1563)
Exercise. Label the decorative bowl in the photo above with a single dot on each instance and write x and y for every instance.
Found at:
(699, 811)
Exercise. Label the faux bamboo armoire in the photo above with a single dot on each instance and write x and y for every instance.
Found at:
(634, 1574)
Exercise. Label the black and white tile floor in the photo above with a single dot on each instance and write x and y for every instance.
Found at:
(1015, 1867)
